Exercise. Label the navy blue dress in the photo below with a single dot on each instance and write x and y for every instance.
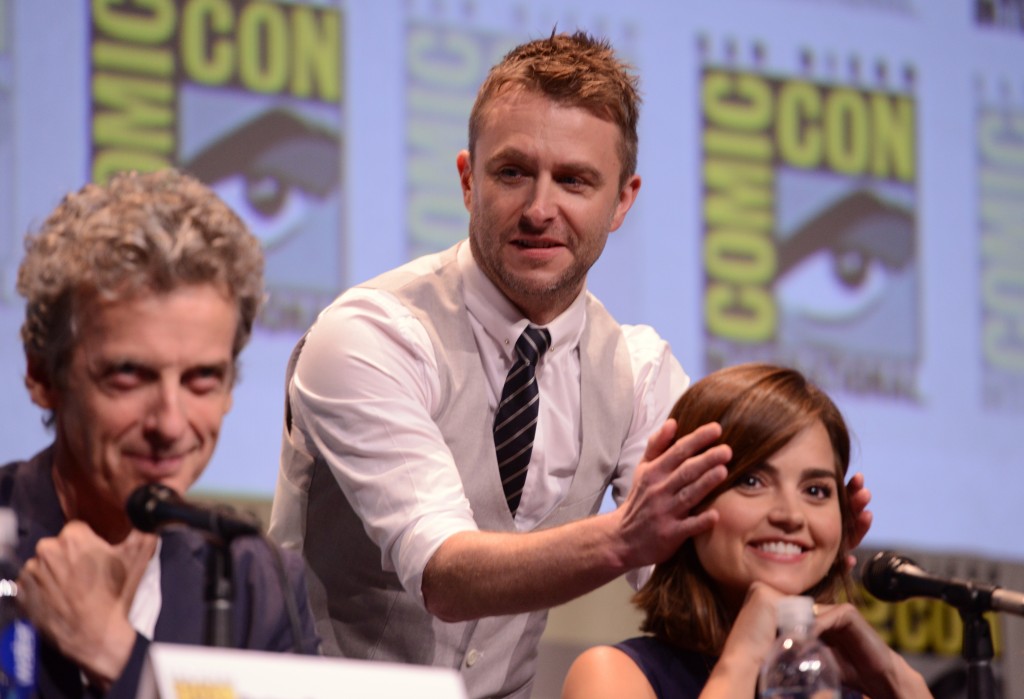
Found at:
(675, 673)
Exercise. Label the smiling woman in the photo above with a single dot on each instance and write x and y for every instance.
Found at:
(781, 511)
(779, 523)
(784, 523)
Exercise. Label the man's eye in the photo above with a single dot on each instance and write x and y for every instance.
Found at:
(123, 375)
(204, 380)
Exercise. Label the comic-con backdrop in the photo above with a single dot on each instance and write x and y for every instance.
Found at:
(836, 185)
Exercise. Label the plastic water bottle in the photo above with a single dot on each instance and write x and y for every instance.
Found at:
(19, 647)
(799, 666)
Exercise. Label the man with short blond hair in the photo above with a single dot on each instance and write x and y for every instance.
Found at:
(453, 424)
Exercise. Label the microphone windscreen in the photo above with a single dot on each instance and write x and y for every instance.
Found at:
(141, 505)
(880, 578)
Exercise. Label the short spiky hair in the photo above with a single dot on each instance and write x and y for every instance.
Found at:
(577, 70)
(141, 233)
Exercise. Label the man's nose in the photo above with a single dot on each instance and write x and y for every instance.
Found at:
(542, 208)
(165, 420)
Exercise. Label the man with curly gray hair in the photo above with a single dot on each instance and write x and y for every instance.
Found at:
(140, 233)
(140, 295)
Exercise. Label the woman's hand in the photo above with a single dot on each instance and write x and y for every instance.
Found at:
(866, 662)
(749, 641)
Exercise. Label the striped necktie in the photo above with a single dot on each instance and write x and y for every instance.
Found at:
(515, 421)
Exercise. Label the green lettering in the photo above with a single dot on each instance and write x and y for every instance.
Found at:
(109, 162)
(141, 60)
(154, 25)
(893, 155)
(743, 314)
(739, 194)
(739, 256)
(142, 115)
(798, 128)
(205, 59)
(738, 102)
(263, 48)
(735, 144)
(316, 43)
(847, 132)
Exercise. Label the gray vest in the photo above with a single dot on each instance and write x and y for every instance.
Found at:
(362, 610)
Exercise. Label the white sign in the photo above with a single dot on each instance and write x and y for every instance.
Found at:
(199, 672)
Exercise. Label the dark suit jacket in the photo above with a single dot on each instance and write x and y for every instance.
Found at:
(260, 620)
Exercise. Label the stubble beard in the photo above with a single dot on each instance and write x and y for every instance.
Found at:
(528, 295)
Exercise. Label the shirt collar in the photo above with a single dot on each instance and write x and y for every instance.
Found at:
(502, 320)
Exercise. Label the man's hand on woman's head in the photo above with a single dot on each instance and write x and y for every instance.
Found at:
(860, 497)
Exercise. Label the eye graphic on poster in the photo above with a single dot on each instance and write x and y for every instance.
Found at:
(840, 265)
(282, 173)
(274, 170)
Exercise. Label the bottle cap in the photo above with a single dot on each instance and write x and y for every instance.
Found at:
(795, 611)
(8, 527)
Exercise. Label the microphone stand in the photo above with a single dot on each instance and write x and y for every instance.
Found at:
(978, 653)
(978, 649)
(219, 593)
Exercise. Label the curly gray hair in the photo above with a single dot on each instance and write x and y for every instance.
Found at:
(138, 234)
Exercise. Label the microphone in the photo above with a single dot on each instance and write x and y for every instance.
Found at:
(153, 505)
(891, 578)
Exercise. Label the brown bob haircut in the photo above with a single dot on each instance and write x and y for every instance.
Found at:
(760, 407)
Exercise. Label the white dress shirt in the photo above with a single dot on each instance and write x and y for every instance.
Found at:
(145, 608)
(366, 388)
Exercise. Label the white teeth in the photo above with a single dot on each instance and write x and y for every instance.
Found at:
(780, 547)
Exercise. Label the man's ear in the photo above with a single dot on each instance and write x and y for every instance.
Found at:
(462, 161)
(627, 195)
(39, 385)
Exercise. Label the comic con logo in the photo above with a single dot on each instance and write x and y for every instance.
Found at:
(809, 229)
(246, 96)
